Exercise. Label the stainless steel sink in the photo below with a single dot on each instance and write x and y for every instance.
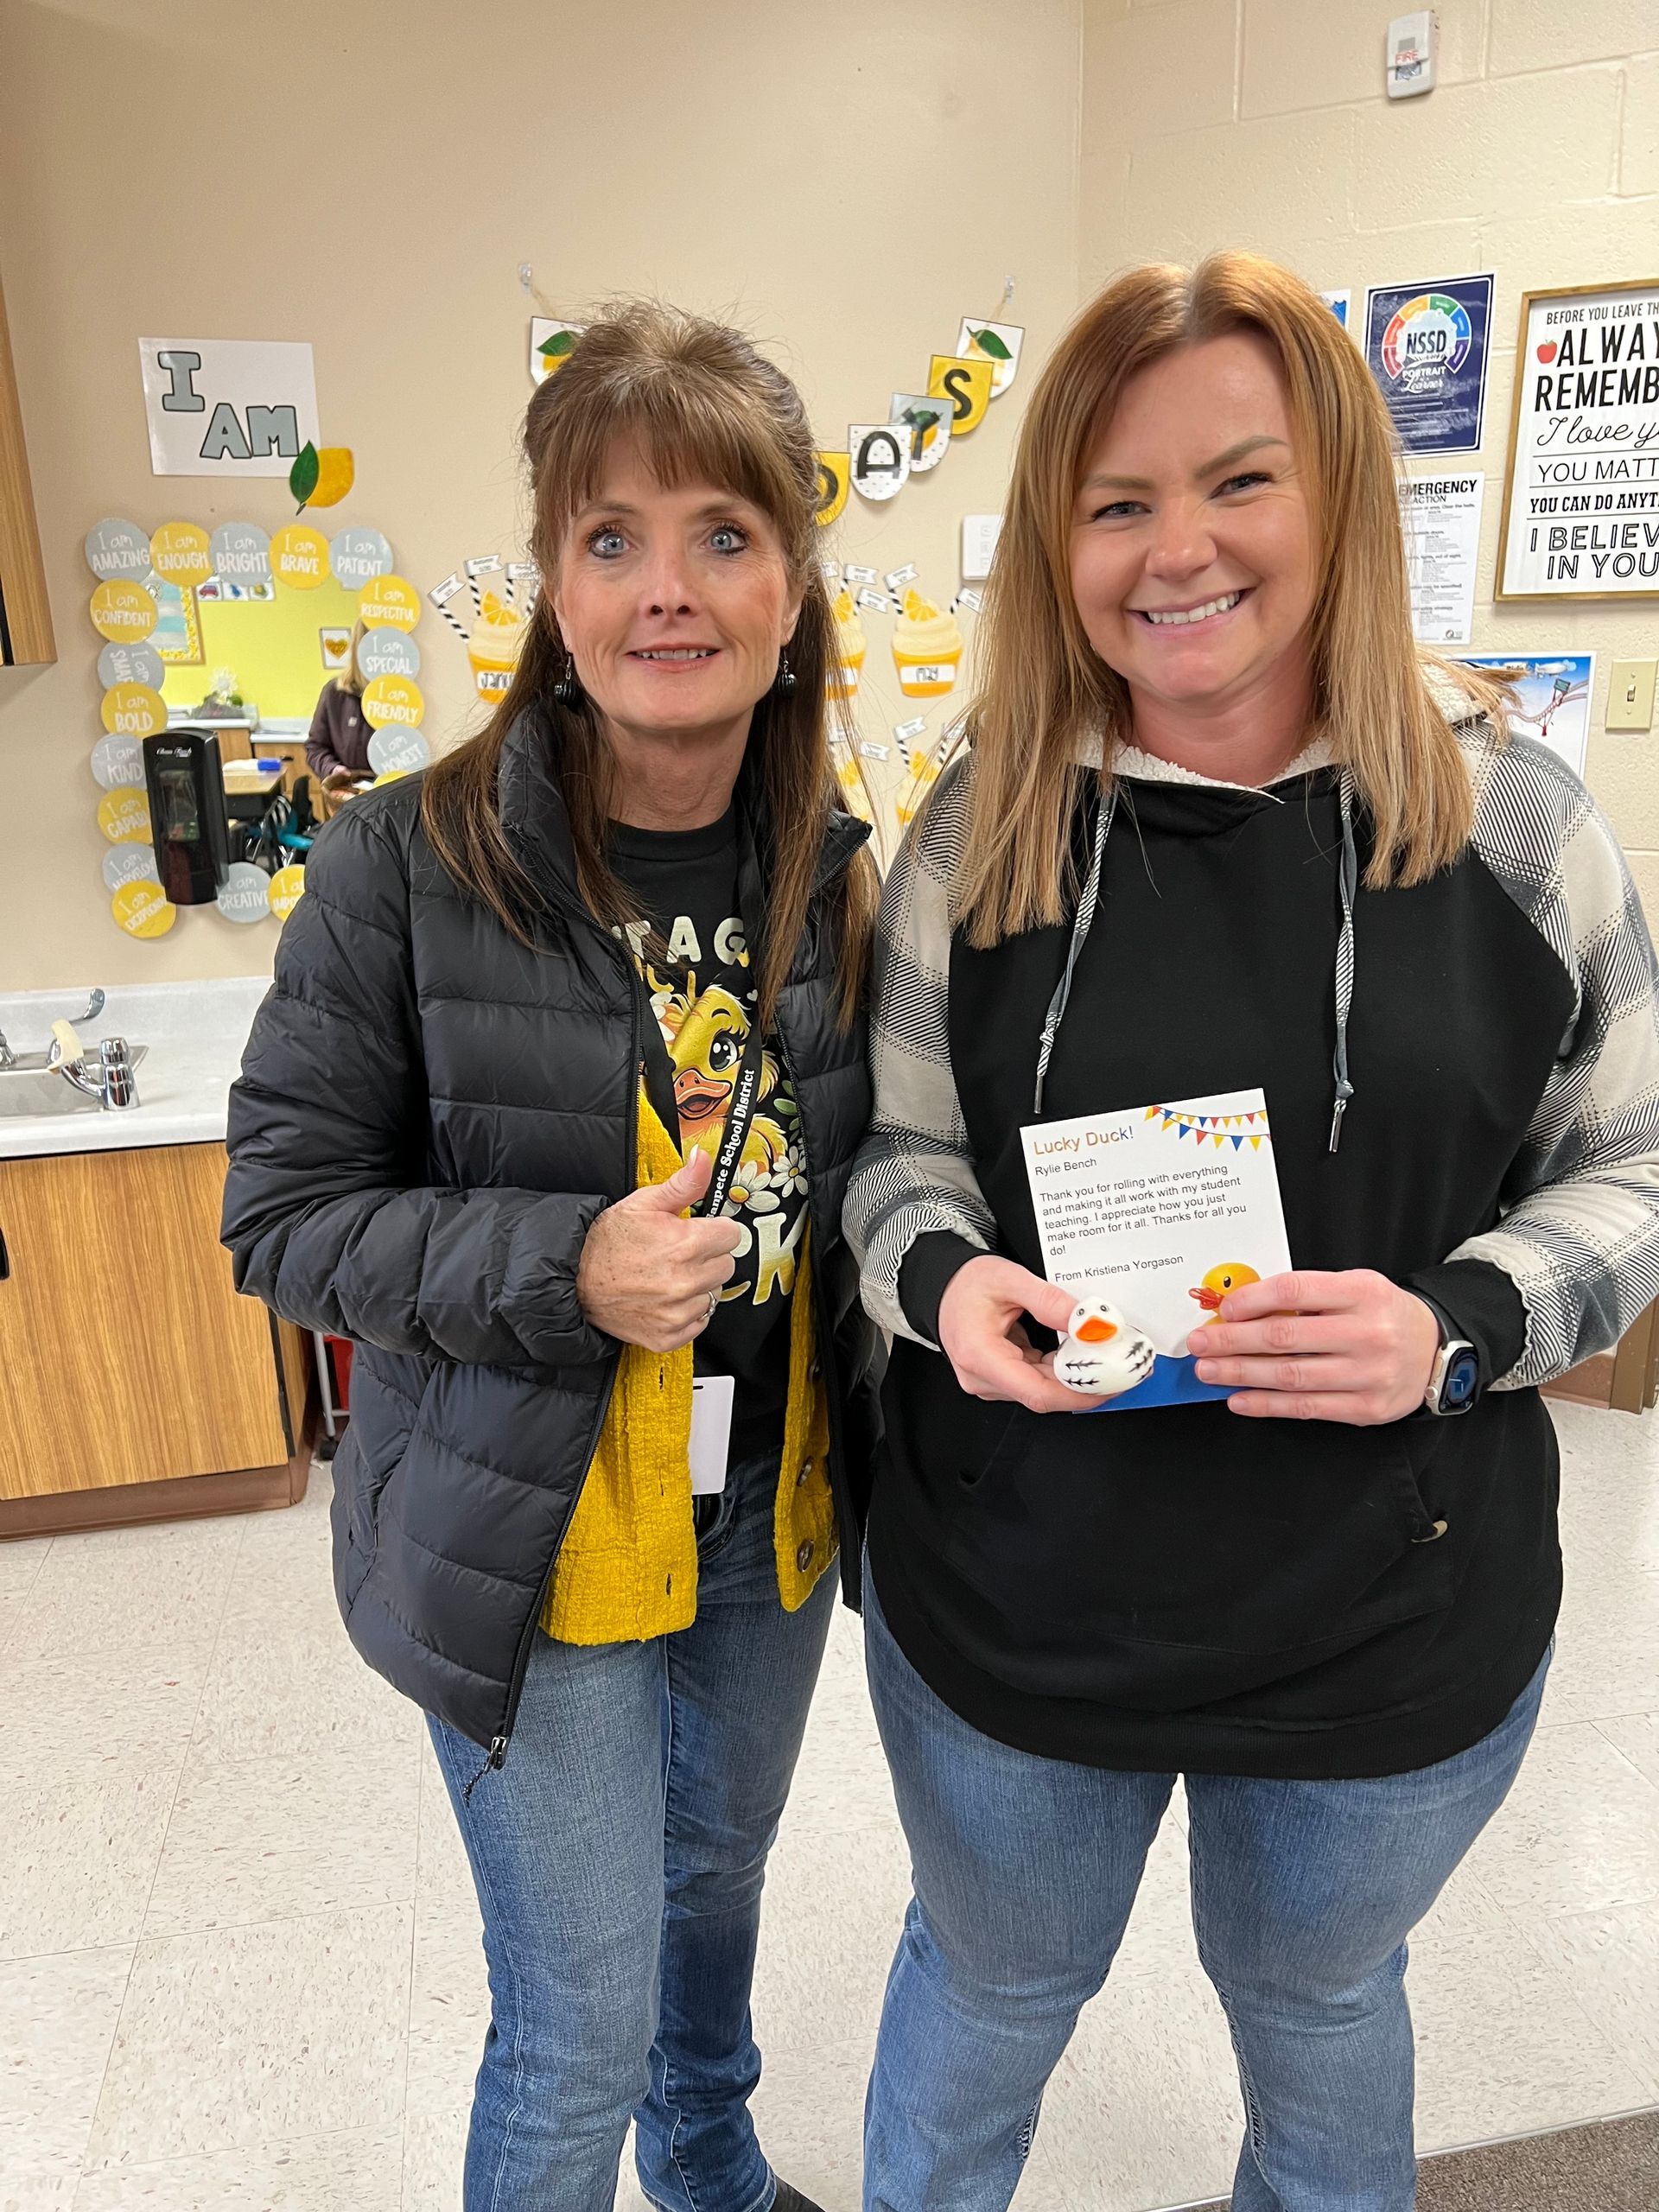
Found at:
(31, 1087)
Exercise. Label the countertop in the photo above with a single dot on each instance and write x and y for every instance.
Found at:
(195, 1033)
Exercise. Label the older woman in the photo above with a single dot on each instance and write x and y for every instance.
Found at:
(1222, 828)
(551, 1109)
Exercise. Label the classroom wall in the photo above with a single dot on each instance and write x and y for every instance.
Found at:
(370, 178)
(1264, 123)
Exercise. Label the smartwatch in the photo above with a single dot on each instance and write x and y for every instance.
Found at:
(1454, 1379)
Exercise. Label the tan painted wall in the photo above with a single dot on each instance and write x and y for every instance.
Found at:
(369, 177)
(1264, 124)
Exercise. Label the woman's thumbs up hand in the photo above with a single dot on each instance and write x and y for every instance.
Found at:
(649, 1276)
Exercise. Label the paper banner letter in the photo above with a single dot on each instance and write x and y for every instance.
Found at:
(832, 486)
(927, 417)
(880, 459)
(966, 384)
(997, 342)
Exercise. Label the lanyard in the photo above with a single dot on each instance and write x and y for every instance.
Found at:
(746, 1096)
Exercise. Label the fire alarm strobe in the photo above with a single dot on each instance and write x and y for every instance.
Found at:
(1410, 63)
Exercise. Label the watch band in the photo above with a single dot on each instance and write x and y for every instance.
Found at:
(1454, 1379)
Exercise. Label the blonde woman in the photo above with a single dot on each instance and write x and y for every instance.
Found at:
(1222, 828)
(337, 744)
(552, 1109)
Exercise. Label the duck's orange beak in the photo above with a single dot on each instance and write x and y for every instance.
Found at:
(1209, 1300)
(1096, 1331)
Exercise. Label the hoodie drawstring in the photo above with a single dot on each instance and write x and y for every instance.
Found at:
(1347, 885)
(1347, 881)
(1085, 915)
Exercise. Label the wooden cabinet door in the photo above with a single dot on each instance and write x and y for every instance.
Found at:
(126, 1353)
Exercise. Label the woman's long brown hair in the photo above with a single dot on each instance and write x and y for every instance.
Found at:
(699, 404)
(1043, 689)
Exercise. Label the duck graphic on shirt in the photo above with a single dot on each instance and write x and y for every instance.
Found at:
(705, 1026)
(705, 1033)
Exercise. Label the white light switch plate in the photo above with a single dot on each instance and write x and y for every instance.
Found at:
(1629, 694)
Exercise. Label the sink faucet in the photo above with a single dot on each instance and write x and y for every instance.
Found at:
(111, 1082)
(89, 1011)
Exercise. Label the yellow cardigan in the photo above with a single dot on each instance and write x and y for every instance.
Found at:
(628, 1568)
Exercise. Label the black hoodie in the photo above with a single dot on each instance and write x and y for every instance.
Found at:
(1180, 1587)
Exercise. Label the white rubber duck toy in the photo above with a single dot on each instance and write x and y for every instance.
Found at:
(1100, 1355)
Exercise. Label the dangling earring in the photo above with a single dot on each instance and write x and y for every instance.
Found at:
(786, 674)
(567, 690)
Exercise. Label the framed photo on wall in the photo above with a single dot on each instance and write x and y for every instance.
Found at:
(1581, 492)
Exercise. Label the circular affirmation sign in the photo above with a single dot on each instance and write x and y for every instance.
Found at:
(133, 710)
(240, 552)
(142, 909)
(396, 752)
(283, 891)
(392, 699)
(123, 612)
(357, 555)
(131, 664)
(387, 652)
(118, 763)
(244, 895)
(178, 552)
(390, 600)
(118, 550)
(299, 556)
(129, 864)
(124, 817)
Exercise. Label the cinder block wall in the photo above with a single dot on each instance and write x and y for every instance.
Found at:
(1264, 123)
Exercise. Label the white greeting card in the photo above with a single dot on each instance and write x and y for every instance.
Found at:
(1160, 1211)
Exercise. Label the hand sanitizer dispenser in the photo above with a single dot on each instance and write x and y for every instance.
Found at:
(188, 821)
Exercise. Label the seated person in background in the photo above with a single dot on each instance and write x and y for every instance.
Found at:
(337, 745)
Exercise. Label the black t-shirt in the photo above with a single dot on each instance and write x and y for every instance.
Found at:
(702, 995)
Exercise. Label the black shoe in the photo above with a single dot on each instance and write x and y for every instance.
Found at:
(791, 2200)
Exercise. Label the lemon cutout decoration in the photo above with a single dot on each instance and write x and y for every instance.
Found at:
(299, 556)
(320, 477)
(123, 612)
(142, 909)
(286, 887)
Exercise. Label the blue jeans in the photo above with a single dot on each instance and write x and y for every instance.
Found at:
(619, 1856)
(1025, 1869)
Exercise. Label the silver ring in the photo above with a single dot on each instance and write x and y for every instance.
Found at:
(714, 1300)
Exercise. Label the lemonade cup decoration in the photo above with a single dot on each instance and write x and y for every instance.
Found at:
(926, 649)
(842, 682)
(492, 645)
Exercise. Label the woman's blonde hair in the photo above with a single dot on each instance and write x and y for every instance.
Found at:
(1042, 688)
(350, 676)
(699, 404)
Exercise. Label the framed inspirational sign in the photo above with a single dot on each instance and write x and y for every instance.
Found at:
(1581, 494)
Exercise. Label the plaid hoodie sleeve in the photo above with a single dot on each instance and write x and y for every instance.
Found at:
(914, 1173)
(1580, 1237)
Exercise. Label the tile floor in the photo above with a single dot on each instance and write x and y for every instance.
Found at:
(239, 1953)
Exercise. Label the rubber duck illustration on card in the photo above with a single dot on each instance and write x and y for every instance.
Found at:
(1232, 1274)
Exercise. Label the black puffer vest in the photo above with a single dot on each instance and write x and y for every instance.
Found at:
(428, 1119)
